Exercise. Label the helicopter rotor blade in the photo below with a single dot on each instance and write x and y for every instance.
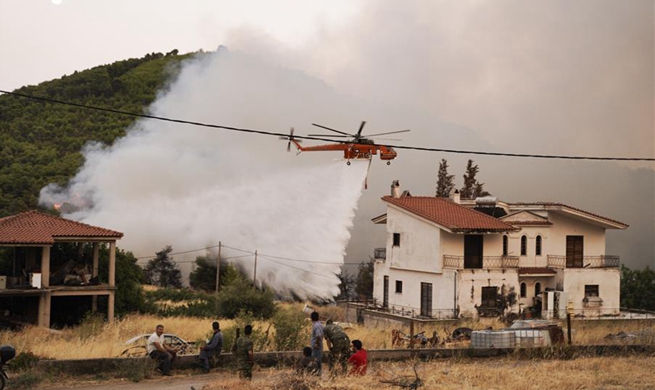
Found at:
(329, 135)
(359, 132)
(336, 131)
(390, 132)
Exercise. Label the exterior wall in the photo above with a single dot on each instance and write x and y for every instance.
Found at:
(609, 284)
(594, 237)
(470, 283)
(419, 248)
(531, 232)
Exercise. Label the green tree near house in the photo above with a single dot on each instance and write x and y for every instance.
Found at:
(638, 288)
(444, 181)
(162, 270)
(364, 282)
(129, 280)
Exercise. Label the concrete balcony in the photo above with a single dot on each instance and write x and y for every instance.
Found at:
(602, 261)
(380, 254)
(484, 262)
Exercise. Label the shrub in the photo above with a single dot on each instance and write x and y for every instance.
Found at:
(240, 295)
(291, 329)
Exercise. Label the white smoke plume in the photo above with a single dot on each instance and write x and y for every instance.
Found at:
(191, 187)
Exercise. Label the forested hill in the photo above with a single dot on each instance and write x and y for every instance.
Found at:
(40, 142)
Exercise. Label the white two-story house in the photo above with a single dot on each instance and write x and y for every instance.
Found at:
(448, 258)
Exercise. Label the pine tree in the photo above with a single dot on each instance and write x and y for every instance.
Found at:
(472, 188)
(162, 270)
(469, 180)
(444, 181)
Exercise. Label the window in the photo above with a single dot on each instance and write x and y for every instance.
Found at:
(505, 245)
(537, 250)
(524, 245)
(396, 239)
(399, 286)
(524, 290)
(591, 290)
(537, 289)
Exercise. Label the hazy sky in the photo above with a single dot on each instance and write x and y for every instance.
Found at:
(544, 77)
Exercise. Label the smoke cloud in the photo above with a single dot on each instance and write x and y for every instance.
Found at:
(191, 187)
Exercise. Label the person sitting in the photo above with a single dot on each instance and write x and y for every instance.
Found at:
(213, 348)
(358, 360)
(157, 349)
(307, 364)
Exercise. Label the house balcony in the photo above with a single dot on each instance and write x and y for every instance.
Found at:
(480, 262)
(602, 261)
(380, 254)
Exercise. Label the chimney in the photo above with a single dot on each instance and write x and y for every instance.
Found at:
(395, 189)
(454, 195)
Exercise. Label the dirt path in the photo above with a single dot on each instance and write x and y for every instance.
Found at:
(176, 382)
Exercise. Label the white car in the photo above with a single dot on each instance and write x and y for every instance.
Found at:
(137, 345)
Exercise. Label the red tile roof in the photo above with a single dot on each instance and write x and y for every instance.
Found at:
(536, 271)
(557, 205)
(451, 215)
(34, 227)
(530, 223)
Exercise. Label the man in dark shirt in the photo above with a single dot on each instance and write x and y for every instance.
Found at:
(213, 348)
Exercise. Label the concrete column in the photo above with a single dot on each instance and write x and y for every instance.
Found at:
(45, 268)
(112, 264)
(96, 255)
(44, 310)
(110, 307)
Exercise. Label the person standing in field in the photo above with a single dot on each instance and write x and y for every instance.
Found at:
(157, 349)
(359, 360)
(339, 344)
(317, 343)
(243, 353)
(213, 348)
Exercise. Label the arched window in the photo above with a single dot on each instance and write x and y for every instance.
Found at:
(524, 290)
(524, 245)
(537, 289)
(537, 250)
(505, 245)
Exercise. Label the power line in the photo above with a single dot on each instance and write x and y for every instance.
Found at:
(262, 132)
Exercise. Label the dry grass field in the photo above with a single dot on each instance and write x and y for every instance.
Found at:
(96, 339)
(634, 373)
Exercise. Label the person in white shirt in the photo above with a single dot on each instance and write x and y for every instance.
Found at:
(157, 349)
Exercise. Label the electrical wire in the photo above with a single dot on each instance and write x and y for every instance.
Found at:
(269, 133)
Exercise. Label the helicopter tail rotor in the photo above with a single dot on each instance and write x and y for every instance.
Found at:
(290, 138)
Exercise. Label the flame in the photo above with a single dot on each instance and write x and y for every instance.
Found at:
(57, 206)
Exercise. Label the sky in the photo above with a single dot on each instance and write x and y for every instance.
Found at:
(556, 77)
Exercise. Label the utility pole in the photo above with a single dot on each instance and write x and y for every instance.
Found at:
(254, 277)
(218, 266)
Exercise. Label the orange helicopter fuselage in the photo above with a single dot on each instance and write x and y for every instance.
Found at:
(352, 151)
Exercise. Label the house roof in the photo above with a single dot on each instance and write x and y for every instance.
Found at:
(448, 214)
(536, 271)
(571, 212)
(525, 218)
(34, 227)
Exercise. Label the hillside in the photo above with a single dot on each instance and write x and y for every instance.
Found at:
(41, 143)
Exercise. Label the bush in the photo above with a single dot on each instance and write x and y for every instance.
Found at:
(192, 303)
(259, 336)
(240, 295)
(291, 329)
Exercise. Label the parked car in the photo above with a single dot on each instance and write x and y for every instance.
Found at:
(137, 345)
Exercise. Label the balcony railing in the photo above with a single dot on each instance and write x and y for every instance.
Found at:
(488, 262)
(380, 253)
(602, 261)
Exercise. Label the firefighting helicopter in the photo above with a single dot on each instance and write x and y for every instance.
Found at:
(357, 148)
